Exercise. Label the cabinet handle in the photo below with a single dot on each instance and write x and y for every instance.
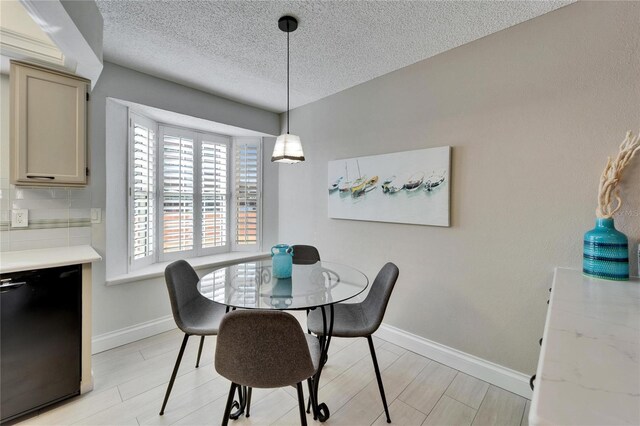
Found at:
(531, 381)
(40, 177)
(540, 341)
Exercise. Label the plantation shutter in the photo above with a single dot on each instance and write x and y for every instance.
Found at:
(178, 182)
(246, 192)
(214, 157)
(191, 193)
(142, 191)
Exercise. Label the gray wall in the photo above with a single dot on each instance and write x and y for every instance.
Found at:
(87, 18)
(270, 195)
(130, 304)
(532, 113)
(4, 138)
(116, 208)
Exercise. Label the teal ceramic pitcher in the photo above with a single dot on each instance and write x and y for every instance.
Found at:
(282, 259)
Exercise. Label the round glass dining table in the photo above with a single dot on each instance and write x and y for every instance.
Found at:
(319, 285)
(252, 285)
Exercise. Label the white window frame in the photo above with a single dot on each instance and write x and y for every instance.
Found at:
(197, 136)
(247, 247)
(147, 260)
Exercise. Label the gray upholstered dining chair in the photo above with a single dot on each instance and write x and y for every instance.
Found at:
(362, 319)
(308, 255)
(305, 255)
(193, 313)
(265, 349)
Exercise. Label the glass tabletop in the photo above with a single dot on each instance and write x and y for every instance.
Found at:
(252, 285)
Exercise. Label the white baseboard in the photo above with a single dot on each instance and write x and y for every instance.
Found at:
(497, 375)
(130, 334)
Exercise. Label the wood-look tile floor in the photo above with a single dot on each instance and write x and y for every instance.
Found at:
(130, 382)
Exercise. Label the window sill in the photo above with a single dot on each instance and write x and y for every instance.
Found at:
(157, 269)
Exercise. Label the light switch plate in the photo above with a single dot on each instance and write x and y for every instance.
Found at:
(19, 218)
(96, 215)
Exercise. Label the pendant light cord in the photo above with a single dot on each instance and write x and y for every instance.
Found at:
(287, 77)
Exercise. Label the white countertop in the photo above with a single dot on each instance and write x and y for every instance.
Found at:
(589, 368)
(12, 261)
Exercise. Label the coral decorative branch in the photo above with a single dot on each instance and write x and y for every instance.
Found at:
(609, 200)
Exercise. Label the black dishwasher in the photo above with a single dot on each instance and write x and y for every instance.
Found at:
(40, 340)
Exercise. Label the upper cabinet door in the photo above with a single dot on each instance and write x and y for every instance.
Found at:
(48, 127)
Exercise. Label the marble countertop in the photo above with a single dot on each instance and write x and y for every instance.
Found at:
(589, 368)
(13, 261)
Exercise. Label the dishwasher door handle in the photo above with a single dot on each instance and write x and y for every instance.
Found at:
(5, 287)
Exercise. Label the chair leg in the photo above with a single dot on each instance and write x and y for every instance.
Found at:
(227, 408)
(248, 402)
(303, 415)
(200, 351)
(379, 377)
(312, 403)
(175, 372)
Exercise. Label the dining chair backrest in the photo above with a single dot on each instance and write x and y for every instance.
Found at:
(376, 301)
(262, 349)
(305, 255)
(182, 284)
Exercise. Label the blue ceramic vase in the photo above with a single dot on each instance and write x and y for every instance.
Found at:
(606, 252)
(282, 259)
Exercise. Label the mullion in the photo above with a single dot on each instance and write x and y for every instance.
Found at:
(180, 194)
(197, 193)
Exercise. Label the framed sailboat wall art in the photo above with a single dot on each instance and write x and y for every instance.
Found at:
(403, 187)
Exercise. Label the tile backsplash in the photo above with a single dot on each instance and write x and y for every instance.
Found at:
(58, 217)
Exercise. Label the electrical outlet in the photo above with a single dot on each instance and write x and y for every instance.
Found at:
(96, 215)
(19, 218)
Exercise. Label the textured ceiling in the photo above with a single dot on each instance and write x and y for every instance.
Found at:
(234, 48)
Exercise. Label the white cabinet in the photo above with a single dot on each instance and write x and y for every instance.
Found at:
(48, 127)
(589, 367)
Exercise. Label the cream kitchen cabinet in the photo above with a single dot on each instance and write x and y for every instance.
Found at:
(48, 127)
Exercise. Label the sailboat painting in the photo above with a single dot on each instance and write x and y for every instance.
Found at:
(403, 187)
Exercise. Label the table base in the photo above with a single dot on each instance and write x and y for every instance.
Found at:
(320, 410)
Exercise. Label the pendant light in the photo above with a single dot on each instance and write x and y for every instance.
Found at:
(288, 148)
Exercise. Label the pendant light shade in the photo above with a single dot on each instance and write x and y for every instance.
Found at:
(288, 147)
